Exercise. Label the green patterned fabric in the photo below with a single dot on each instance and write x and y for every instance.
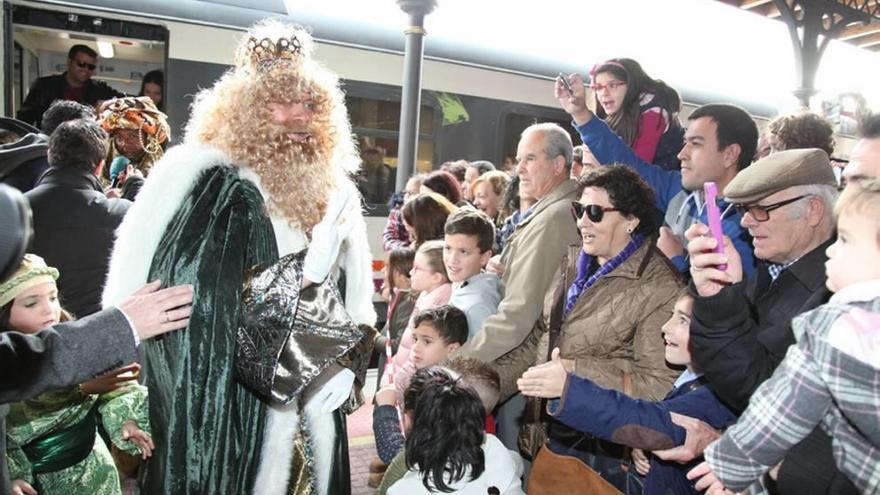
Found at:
(207, 428)
(52, 412)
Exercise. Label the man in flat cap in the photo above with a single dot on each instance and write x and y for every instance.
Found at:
(741, 328)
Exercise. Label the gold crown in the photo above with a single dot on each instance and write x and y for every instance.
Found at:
(266, 51)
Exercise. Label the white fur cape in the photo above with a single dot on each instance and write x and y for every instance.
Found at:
(171, 180)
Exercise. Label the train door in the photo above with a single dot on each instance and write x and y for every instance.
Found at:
(37, 42)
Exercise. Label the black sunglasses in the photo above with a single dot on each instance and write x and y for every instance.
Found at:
(594, 212)
(83, 65)
(761, 213)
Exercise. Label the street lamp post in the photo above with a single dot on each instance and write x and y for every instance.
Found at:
(410, 101)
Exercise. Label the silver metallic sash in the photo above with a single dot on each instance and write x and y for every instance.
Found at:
(287, 337)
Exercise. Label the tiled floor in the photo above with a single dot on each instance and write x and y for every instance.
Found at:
(361, 445)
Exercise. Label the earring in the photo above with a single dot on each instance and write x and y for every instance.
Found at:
(630, 230)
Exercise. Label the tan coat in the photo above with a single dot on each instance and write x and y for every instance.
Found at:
(531, 258)
(614, 328)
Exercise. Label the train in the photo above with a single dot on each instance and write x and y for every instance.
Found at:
(476, 99)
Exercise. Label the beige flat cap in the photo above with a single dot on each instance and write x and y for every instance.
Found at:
(779, 171)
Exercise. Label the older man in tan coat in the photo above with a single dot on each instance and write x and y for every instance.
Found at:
(532, 254)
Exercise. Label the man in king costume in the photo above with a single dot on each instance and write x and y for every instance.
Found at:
(263, 172)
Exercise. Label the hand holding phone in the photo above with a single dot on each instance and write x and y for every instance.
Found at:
(565, 83)
(714, 215)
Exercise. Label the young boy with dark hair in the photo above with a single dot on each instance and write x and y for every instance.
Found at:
(436, 334)
(466, 250)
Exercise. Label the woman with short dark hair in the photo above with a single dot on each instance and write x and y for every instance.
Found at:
(614, 291)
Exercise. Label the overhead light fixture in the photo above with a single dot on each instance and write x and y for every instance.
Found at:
(105, 49)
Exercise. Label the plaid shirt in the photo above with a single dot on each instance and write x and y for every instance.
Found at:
(395, 234)
(815, 384)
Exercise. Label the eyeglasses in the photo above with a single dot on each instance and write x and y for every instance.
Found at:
(85, 65)
(761, 213)
(612, 85)
(594, 212)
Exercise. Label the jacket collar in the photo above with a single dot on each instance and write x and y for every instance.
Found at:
(561, 192)
(70, 177)
(809, 270)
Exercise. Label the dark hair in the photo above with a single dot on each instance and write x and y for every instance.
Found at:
(155, 77)
(81, 49)
(456, 167)
(869, 127)
(734, 126)
(450, 322)
(61, 111)
(482, 166)
(399, 260)
(79, 144)
(473, 223)
(427, 214)
(447, 435)
(422, 378)
(805, 130)
(628, 193)
(5, 316)
(626, 121)
(510, 203)
(444, 184)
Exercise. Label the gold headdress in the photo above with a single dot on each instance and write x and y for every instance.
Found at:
(273, 42)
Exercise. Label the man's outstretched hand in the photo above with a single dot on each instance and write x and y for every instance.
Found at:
(153, 312)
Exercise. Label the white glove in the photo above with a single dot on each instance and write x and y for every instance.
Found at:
(337, 389)
(330, 232)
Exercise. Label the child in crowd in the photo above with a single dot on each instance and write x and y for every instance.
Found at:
(428, 277)
(641, 424)
(401, 302)
(641, 110)
(386, 423)
(467, 248)
(437, 332)
(51, 440)
(447, 449)
(828, 378)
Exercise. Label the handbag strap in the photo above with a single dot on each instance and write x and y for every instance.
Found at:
(558, 308)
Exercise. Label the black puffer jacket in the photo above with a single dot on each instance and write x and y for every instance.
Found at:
(73, 231)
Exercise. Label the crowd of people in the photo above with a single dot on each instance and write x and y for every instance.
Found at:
(575, 307)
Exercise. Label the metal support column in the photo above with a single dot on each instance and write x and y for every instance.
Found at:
(410, 102)
(807, 20)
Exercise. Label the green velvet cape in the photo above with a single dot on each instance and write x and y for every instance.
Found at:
(207, 428)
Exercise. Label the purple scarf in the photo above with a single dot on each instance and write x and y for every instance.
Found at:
(585, 263)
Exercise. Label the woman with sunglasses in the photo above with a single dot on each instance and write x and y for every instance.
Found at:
(641, 110)
(615, 291)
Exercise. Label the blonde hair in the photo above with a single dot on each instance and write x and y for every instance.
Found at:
(497, 179)
(234, 116)
(864, 198)
(433, 250)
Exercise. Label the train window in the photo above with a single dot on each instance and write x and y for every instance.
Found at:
(376, 123)
(515, 123)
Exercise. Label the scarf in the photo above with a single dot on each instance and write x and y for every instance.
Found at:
(587, 275)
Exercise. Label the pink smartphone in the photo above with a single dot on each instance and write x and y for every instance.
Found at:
(714, 215)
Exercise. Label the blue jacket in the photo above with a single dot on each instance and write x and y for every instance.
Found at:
(680, 207)
(613, 416)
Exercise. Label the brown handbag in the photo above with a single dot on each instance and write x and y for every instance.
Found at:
(554, 474)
